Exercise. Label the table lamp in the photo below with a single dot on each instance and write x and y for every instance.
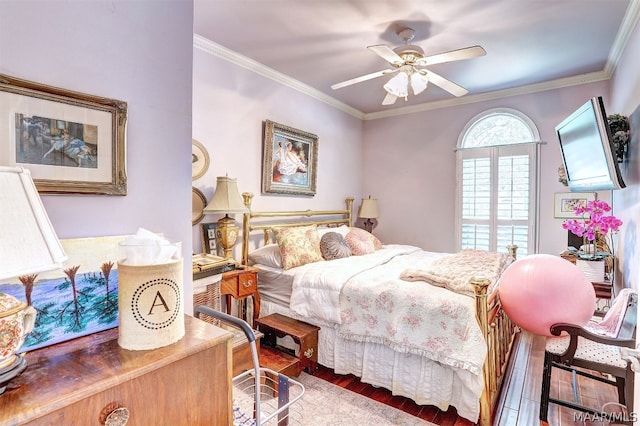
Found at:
(369, 210)
(226, 200)
(28, 246)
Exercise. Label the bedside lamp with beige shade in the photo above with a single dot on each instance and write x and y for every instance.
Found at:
(226, 200)
(369, 210)
(28, 246)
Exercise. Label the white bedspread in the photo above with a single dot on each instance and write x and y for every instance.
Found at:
(317, 286)
(365, 299)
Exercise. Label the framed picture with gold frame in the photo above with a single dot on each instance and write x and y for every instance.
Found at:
(71, 142)
(290, 159)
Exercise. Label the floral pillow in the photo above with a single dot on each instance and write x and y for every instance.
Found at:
(299, 245)
(334, 246)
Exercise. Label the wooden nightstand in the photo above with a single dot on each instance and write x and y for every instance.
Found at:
(241, 283)
(603, 291)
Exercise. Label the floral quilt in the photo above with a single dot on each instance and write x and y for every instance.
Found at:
(412, 317)
(365, 300)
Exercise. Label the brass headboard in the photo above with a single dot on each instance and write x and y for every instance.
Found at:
(281, 219)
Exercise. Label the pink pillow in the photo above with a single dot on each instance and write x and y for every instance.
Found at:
(360, 242)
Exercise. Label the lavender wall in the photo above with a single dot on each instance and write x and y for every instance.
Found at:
(121, 50)
(409, 164)
(625, 94)
(626, 100)
(230, 104)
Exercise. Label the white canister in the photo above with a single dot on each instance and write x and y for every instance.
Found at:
(150, 305)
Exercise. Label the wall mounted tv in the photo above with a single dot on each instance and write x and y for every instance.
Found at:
(587, 149)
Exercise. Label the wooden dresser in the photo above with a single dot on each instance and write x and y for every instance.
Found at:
(82, 381)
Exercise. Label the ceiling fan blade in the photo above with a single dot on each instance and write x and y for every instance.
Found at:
(447, 85)
(389, 99)
(454, 55)
(386, 53)
(361, 79)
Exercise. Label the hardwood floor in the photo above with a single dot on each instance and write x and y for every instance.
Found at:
(520, 398)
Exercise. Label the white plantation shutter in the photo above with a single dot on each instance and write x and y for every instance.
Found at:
(497, 184)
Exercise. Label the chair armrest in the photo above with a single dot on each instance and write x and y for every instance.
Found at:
(575, 330)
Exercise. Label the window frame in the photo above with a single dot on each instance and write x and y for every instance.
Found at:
(492, 151)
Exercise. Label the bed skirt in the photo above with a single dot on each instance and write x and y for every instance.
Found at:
(424, 381)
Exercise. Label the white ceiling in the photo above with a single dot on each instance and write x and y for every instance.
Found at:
(531, 45)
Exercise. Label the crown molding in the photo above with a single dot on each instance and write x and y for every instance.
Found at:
(629, 22)
(222, 52)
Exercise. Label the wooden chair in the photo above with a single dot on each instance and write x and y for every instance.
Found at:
(592, 350)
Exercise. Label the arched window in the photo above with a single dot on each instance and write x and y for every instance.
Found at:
(497, 163)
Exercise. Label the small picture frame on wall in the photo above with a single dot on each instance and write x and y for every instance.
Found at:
(290, 160)
(566, 202)
(209, 242)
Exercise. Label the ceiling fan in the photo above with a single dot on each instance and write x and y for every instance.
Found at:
(406, 62)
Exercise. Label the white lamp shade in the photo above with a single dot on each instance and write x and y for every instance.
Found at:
(369, 208)
(28, 242)
(398, 85)
(419, 82)
(226, 199)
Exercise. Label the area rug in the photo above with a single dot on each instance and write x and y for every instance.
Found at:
(325, 404)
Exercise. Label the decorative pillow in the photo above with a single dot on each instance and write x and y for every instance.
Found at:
(377, 245)
(359, 242)
(268, 255)
(299, 245)
(334, 246)
(342, 230)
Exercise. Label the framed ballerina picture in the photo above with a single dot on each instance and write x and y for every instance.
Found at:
(71, 142)
(290, 159)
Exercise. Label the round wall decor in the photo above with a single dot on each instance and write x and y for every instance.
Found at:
(199, 202)
(199, 160)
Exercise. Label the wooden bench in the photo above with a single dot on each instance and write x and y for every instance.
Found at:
(305, 335)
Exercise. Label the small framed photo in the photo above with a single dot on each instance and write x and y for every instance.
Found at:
(209, 242)
(71, 142)
(566, 202)
(290, 158)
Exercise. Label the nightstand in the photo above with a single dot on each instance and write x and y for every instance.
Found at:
(241, 283)
(603, 291)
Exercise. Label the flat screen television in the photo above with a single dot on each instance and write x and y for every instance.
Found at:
(587, 149)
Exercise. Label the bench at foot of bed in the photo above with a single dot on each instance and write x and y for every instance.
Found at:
(305, 335)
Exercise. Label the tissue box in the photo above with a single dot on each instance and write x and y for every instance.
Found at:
(150, 305)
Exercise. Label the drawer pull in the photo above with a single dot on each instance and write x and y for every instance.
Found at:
(117, 415)
(248, 284)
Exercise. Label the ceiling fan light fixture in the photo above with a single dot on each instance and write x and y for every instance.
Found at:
(419, 82)
(398, 85)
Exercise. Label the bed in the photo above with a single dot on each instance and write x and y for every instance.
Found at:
(388, 316)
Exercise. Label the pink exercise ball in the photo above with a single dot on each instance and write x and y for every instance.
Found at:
(541, 290)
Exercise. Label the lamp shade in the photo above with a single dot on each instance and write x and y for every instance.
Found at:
(226, 199)
(398, 85)
(28, 242)
(369, 208)
(419, 82)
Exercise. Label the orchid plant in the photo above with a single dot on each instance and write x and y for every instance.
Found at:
(594, 224)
